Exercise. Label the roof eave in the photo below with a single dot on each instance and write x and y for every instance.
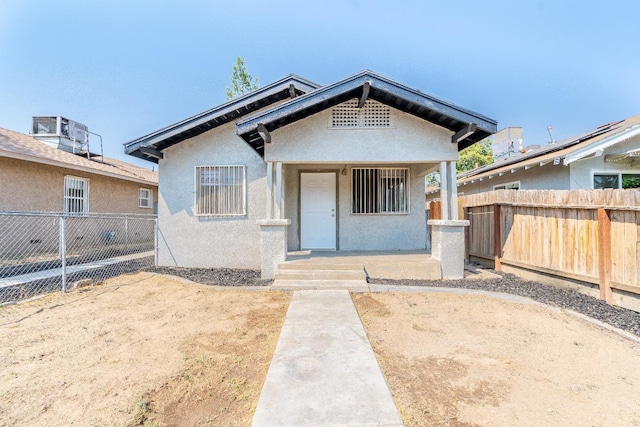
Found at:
(331, 95)
(52, 162)
(219, 115)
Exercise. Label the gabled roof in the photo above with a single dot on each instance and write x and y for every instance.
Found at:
(19, 146)
(368, 85)
(569, 150)
(149, 147)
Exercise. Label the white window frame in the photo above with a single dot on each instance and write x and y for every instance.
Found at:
(611, 172)
(230, 202)
(513, 185)
(145, 202)
(78, 202)
(374, 197)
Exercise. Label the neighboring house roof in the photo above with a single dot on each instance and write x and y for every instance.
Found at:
(309, 98)
(149, 147)
(367, 85)
(567, 151)
(20, 146)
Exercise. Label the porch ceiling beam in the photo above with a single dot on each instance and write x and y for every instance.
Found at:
(468, 130)
(151, 152)
(365, 93)
(264, 133)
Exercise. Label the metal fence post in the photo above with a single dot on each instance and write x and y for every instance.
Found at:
(126, 234)
(155, 241)
(63, 252)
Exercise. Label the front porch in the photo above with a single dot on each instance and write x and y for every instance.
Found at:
(351, 269)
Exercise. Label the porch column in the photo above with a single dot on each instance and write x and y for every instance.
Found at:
(278, 205)
(444, 191)
(447, 234)
(269, 190)
(453, 192)
(273, 229)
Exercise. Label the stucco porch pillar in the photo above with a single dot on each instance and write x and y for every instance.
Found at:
(273, 229)
(447, 234)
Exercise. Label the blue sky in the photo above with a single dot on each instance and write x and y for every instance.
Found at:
(127, 68)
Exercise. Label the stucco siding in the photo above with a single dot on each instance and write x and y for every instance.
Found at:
(361, 232)
(187, 240)
(34, 187)
(547, 177)
(409, 139)
(582, 171)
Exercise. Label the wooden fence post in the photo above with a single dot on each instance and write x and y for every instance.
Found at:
(604, 255)
(497, 238)
(467, 231)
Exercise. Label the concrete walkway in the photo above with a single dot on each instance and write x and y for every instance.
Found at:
(324, 372)
(55, 272)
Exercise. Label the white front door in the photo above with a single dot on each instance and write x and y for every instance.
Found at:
(318, 210)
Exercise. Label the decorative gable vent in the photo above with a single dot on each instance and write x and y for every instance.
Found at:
(374, 114)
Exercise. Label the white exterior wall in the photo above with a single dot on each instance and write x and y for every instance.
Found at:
(582, 171)
(409, 139)
(361, 232)
(189, 241)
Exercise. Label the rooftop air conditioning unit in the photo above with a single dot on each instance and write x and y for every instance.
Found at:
(61, 133)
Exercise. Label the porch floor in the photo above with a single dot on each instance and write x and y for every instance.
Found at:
(400, 264)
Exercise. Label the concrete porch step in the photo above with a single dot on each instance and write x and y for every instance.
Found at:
(296, 285)
(310, 265)
(321, 274)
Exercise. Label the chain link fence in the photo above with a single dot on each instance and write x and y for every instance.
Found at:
(49, 252)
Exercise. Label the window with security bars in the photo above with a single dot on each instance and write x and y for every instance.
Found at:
(379, 190)
(145, 198)
(76, 195)
(372, 114)
(220, 190)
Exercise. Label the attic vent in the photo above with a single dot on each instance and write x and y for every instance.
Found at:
(348, 115)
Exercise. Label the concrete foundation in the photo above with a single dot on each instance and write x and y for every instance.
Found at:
(273, 245)
(447, 246)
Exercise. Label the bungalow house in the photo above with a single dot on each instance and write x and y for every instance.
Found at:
(47, 172)
(605, 157)
(295, 165)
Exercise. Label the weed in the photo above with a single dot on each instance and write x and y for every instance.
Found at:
(238, 360)
(141, 410)
(205, 361)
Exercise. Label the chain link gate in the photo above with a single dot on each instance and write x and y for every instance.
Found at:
(49, 252)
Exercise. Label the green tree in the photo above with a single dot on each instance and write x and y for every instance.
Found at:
(476, 155)
(241, 81)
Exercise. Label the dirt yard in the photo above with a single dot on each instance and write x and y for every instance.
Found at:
(455, 360)
(148, 350)
(139, 350)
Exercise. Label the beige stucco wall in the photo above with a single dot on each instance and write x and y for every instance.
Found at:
(187, 240)
(33, 187)
(409, 140)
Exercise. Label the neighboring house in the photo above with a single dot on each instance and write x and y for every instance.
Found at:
(295, 166)
(40, 176)
(606, 157)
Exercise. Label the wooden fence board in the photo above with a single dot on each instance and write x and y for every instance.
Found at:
(559, 231)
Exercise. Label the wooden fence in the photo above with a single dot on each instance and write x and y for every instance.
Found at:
(590, 236)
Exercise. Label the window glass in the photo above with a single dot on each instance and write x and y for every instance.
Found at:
(379, 190)
(76, 195)
(145, 198)
(220, 190)
(606, 181)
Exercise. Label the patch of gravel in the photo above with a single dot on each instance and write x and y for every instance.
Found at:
(571, 299)
(215, 276)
